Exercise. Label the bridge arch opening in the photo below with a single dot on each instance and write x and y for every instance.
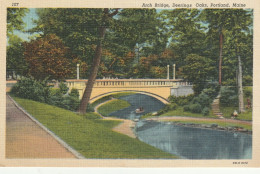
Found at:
(162, 99)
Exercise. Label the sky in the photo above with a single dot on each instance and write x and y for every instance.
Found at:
(28, 20)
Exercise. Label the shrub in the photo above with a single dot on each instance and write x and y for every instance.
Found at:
(63, 88)
(229, 96)
(55, 92)
(181, 100)
(204, 100)
(70, 103)
(74, 93)
(195, 100)
(171, 106)
(212, 90)
(247, 80)
(30, 88)
(205, 111)
(248, 92)
(195, 108)
(90, 108)
(186, 108)
(168, 107)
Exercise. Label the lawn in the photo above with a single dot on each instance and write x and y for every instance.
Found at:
(247, 115)
(242, 116)
(112, 106)
(93, 138)
(108, 97)
(179, 112)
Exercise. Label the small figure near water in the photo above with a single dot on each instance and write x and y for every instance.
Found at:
(234, 114)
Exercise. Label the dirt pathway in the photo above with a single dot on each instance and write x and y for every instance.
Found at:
(25, 139)
(126, 127)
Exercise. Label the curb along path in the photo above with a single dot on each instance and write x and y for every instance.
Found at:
(26, 139)
(126, 127)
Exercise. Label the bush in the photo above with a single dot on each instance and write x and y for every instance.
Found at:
(212, 90)
(204, 100)
(205, 111)
(68, 102)
(74, 93)
(63, 88)
(195, 108)
(247, 80)
(168, 107)
(90, 108)
(229, 96)
(171, 106)
(248, 92)
(181, 100)
(55, 92)
(186, 108)
(30, 88)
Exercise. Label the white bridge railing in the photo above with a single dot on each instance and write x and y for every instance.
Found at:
(129, 82)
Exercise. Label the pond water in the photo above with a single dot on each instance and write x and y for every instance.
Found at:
(195, 143)
(185, 142)
(148, 103)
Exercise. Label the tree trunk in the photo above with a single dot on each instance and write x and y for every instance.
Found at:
(240, 87)
(94, 68)
(220, 57)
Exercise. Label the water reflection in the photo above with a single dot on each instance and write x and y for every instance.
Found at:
(194, 143)
(148, 103)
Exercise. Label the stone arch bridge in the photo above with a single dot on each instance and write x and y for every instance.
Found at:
(157, 88)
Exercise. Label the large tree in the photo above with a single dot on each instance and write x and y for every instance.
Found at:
(186, 33)
(46, 58)
(79, 29)
(105, 20)
(241, 22)
(196, 70)
(14, 57)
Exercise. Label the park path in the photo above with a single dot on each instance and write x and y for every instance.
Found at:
(215, 107)
(126, 127)
(26, 139)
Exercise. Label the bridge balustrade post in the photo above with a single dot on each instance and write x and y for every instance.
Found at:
(168, 71)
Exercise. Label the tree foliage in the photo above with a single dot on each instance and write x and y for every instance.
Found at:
(46, 58)
(139, 43)
(196, 70)
(15, 19)
(14, 56)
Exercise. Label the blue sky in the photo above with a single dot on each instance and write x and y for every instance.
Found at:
(28, 20)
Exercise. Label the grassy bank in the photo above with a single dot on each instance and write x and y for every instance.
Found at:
(242, 116)
(108, 97)
(179, 112)
(112, 106)
(93, 138)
